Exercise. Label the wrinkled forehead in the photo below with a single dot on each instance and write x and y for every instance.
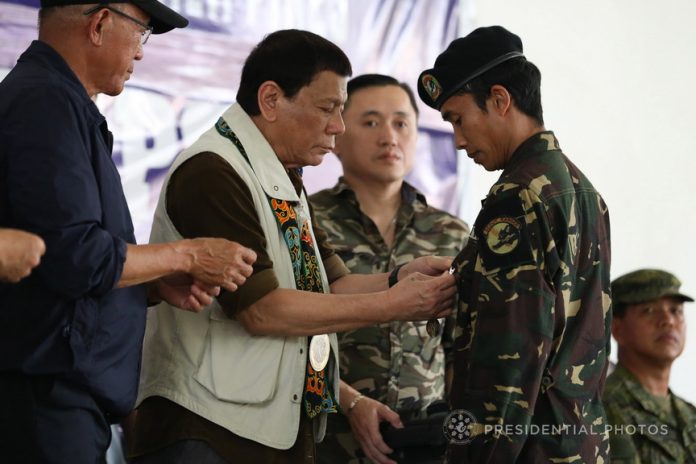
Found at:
(327, 85)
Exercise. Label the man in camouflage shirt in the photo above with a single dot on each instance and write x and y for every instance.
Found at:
(375, 222)
(650, 424)
(532, 335)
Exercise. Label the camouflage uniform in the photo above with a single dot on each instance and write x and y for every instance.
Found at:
(533, 327)
(644, 432)
(396, 363)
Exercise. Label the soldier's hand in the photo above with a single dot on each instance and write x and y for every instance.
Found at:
(20, 252)
(216, 261)
(428, 265)
(364, 421)
(419, 297)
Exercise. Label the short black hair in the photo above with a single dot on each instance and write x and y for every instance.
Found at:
(379, 80)
(520, 77)
(291, 58)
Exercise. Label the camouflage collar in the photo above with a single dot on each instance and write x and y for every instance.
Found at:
(540, 142)
(409, 194)
(633, 386)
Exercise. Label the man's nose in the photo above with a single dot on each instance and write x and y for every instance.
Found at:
(666, 318)
(387, 136)
(336, 125)
(140, 53)
(460, 141)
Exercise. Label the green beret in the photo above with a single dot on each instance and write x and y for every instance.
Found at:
(162, 18)
(466, 58)
(645, 285)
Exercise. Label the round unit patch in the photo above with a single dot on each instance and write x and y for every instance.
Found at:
(431, 86)
(502, 235)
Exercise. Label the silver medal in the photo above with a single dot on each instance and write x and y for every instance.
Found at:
(432, 327)
(319, 351)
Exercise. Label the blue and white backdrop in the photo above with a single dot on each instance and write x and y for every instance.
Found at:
(188, 77)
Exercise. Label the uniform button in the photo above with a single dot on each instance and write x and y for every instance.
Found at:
(301, 351)
(294, 397)
(275, 187)
(66, 331)
(546, 382)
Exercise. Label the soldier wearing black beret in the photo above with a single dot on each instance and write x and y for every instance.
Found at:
(649, 422)
(534, 297)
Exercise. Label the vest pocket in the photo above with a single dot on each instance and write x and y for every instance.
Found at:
(237, 367)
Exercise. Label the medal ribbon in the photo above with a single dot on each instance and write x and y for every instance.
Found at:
(305, 267)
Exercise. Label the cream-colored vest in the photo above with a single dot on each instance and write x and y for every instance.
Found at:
(208, 363)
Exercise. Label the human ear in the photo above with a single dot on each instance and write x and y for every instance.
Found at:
(97, 24)
(268, 99)
(501, 100)
(617, 329)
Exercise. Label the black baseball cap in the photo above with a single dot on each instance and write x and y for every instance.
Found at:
(162, 18)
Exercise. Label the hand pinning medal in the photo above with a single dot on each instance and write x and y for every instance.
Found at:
(433, 325)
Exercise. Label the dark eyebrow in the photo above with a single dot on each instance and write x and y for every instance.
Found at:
(403, 114)
(370, 113)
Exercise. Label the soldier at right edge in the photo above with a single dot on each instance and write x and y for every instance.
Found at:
(650, 424)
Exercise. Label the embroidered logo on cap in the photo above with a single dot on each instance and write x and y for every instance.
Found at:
(432, 86)
(502, 235)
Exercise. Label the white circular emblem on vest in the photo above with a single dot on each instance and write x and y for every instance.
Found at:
(319, 351)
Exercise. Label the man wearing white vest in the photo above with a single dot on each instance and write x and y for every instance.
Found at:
(252, 378)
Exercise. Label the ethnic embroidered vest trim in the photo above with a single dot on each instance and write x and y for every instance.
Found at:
(317, 394)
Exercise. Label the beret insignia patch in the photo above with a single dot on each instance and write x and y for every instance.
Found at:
(502, 235)
(432, 86)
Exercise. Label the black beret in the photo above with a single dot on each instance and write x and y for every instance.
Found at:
(162, 18)
(466, 58)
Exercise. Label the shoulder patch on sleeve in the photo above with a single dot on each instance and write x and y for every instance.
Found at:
(503, 237)
(502, 234)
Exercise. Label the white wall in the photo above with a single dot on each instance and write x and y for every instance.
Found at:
(618, 90)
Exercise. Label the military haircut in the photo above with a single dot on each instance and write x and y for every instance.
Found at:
(365, 81)
(66, 14)
(520, 77)
(291, 58)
